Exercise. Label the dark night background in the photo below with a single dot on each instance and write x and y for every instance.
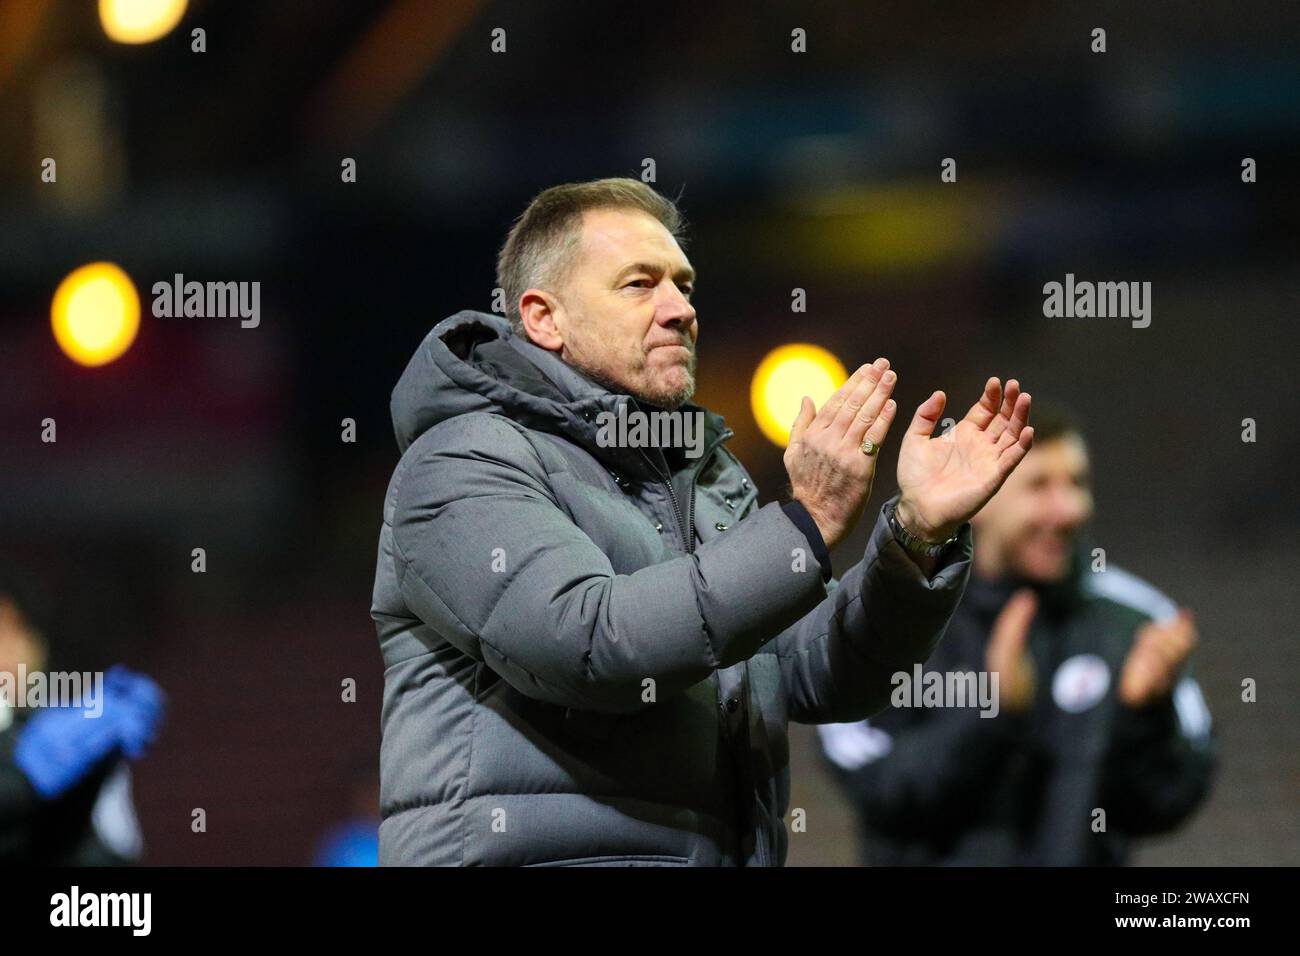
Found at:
(818, 171)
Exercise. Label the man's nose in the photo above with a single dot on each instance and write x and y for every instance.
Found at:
(1068, 510)
(674, 310)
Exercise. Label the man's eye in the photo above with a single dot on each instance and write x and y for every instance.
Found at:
(642, 283)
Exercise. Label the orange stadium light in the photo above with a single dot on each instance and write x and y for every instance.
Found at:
(140, 21)
(96, 314)
(782, 379)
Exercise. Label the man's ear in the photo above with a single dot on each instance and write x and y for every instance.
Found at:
(539, 312)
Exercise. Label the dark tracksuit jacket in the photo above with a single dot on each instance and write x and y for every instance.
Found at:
(946, 786)
(93, 824)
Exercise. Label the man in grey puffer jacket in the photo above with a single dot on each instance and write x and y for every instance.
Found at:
(594, 641)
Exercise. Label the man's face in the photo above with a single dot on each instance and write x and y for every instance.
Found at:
(624, 314)
(1028, 528)
(18, 644)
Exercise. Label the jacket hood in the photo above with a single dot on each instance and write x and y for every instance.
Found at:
(473, 362)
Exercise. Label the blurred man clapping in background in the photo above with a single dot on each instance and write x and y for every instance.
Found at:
(1099, 737)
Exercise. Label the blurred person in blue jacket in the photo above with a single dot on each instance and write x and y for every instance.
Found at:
(65, 797)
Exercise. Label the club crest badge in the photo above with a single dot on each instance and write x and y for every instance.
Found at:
(1080, 682)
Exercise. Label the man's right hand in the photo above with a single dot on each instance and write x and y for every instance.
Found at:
(1007, 655)
(829, 473)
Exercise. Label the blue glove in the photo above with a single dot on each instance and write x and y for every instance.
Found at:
(139, 709)
(60, 746)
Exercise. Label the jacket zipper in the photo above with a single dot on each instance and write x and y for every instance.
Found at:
(677, 512)
(760, 846)
(688, 527)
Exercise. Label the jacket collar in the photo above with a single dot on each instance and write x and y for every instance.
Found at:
(450, 375)
(986, 597)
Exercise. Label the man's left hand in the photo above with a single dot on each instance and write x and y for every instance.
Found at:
(1158, 654)
(944, 481)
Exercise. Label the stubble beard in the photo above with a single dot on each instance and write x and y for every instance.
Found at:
(663, 399)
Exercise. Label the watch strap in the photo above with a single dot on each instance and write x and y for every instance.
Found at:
(911, 542)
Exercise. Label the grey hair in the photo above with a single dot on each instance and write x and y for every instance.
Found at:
(543, 244)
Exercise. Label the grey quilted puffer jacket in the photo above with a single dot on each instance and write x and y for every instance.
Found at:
(588, 662)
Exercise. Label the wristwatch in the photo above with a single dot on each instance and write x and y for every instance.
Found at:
(910, 541)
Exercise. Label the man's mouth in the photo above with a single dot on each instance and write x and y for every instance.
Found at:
(1055, 543)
